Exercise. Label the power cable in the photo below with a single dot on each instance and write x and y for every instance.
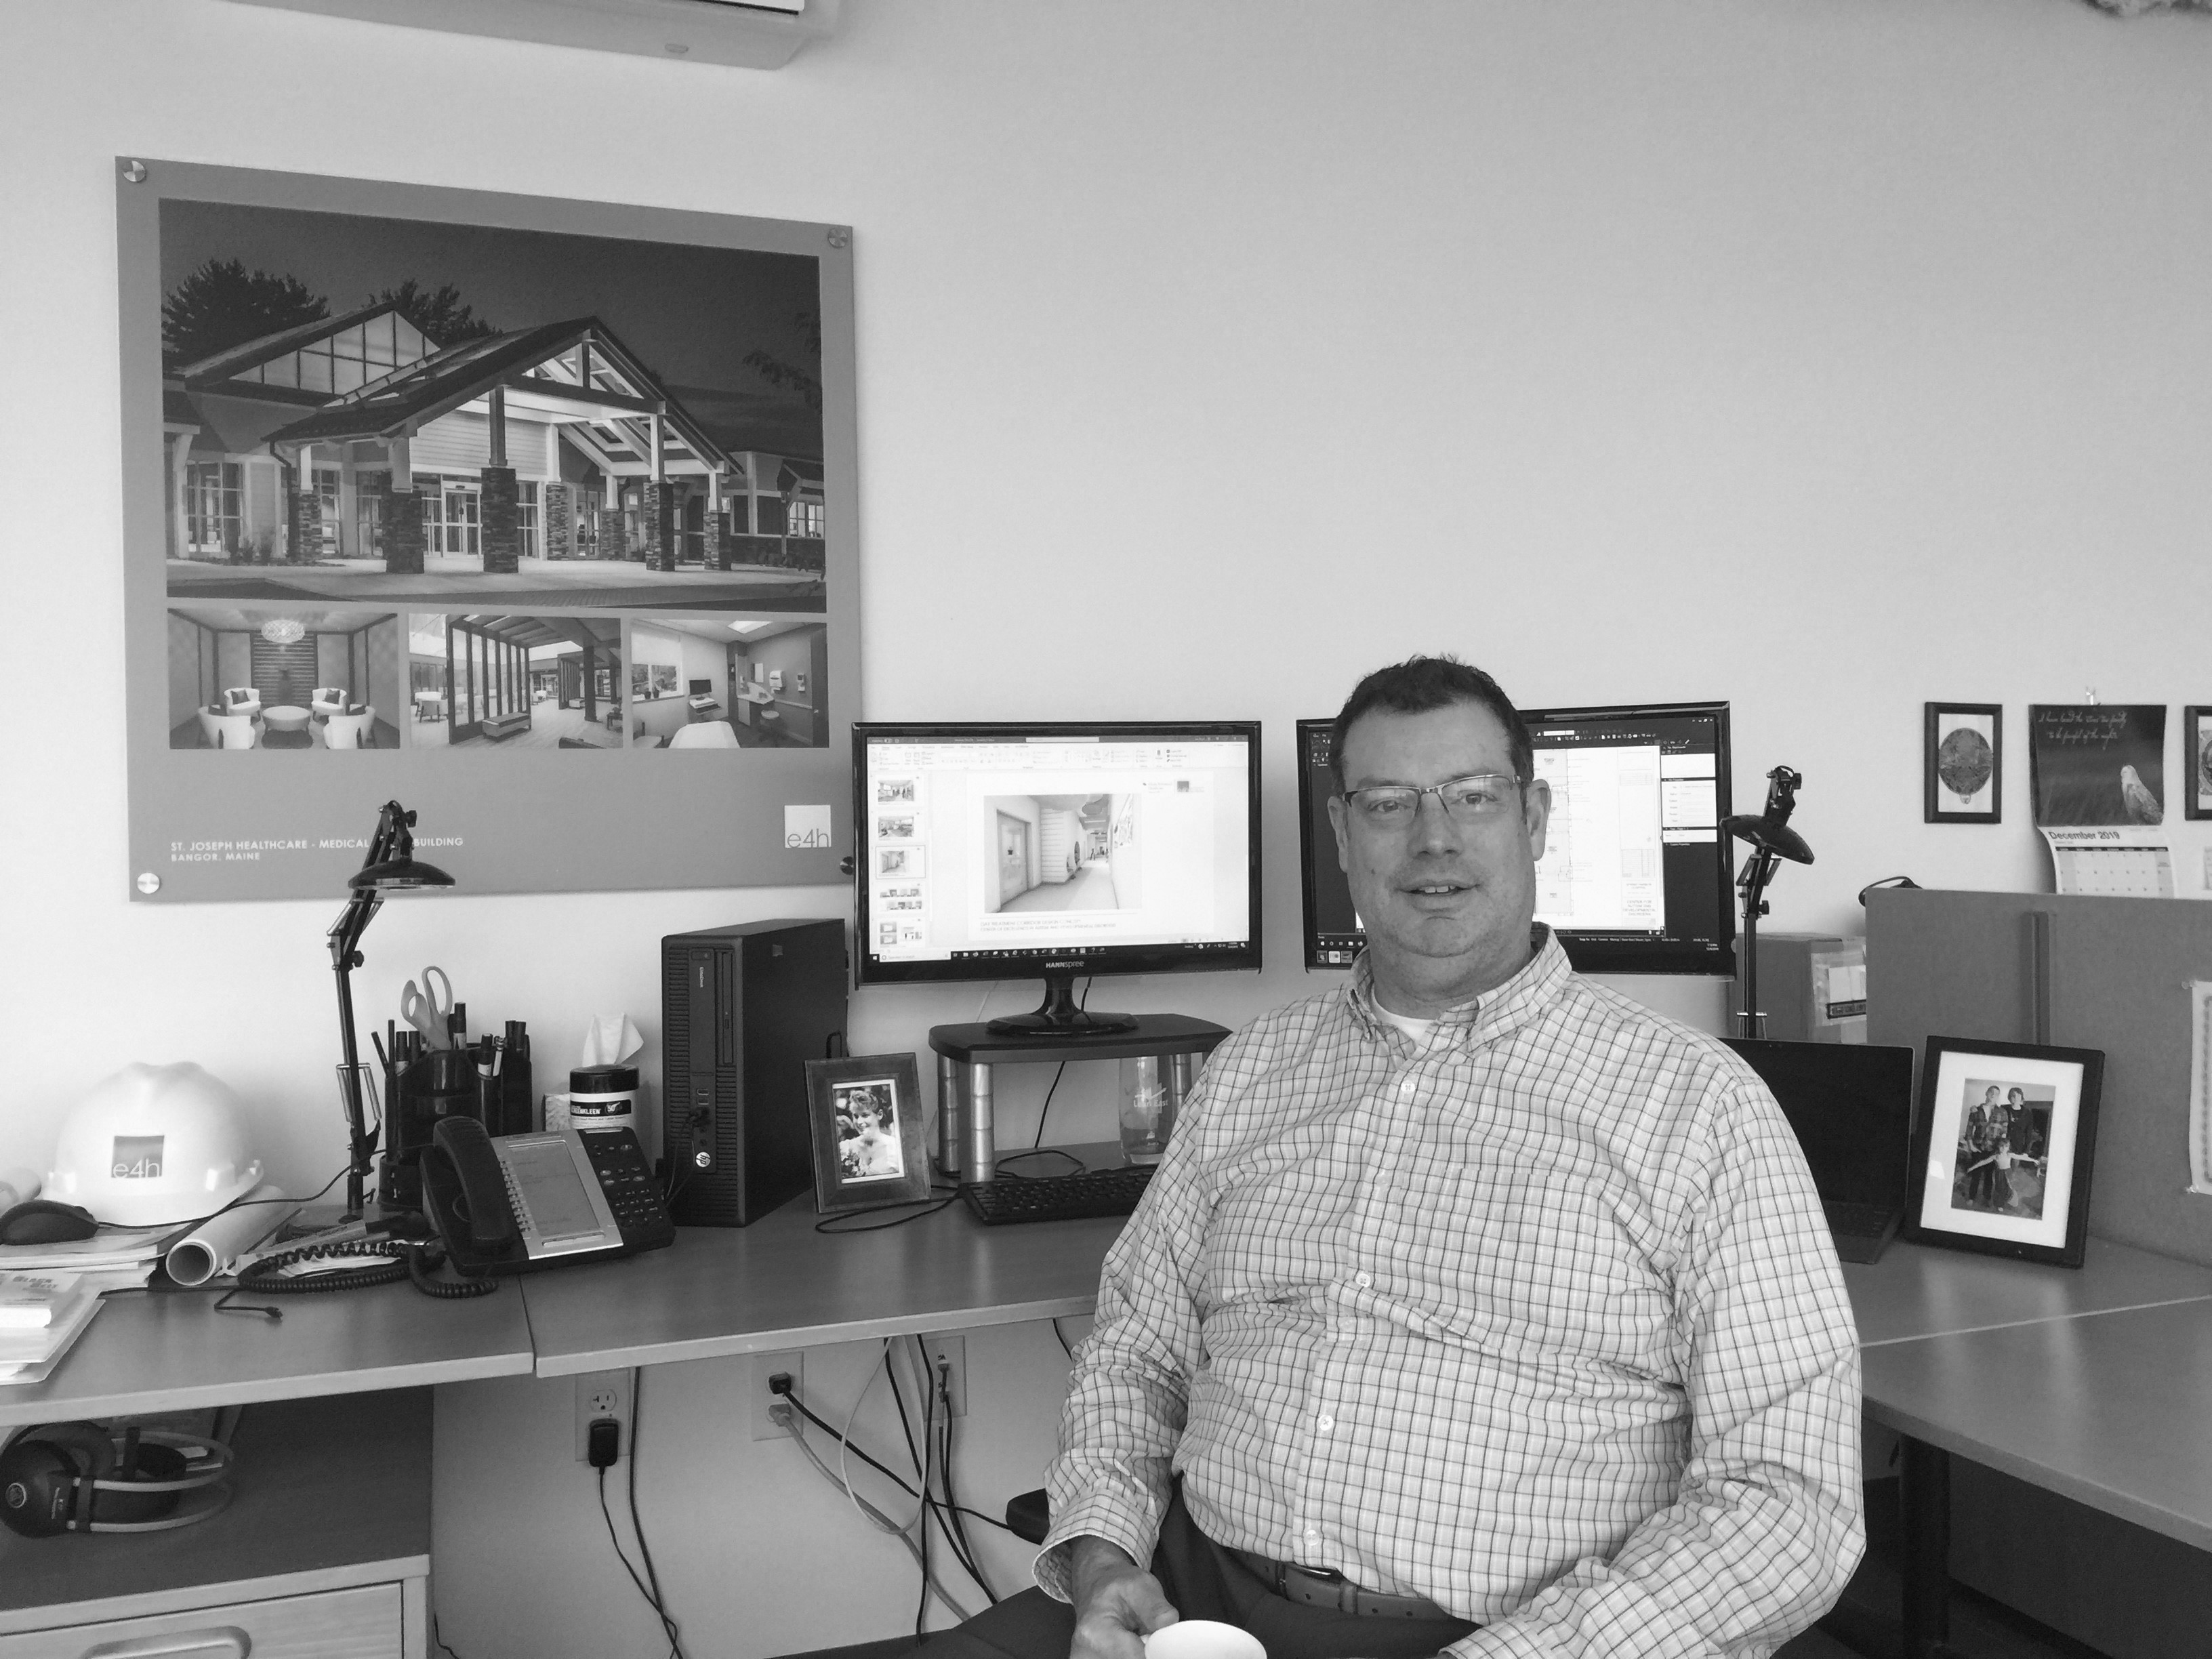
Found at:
(637, 1526)
(789, 1424)
(861, 1452)
(906, 1428)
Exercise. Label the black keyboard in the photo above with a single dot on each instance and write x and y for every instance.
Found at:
(1058, 1198)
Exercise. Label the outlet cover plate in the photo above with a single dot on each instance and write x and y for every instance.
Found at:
(601, 1394)
(766, 1365)
(953, 1352)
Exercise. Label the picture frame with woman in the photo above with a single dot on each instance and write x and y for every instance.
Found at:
(2001, 1149)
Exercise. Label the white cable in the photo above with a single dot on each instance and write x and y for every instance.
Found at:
(845, 1442)
(792, 1426)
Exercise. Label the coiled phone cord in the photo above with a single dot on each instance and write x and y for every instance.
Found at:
(413, 1262)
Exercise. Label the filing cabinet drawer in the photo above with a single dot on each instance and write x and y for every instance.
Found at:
(349, 1624)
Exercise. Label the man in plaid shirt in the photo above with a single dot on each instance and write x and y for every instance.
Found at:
(1473, 1307)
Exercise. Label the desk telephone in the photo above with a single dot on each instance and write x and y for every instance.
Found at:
(512, 1204)
(504, 1204)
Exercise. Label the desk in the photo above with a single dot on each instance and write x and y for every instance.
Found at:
(155, 1351)
(329, 1535)
(1916, 1290)
(778, 1284)
(2108, 1410)
(1989, 1358)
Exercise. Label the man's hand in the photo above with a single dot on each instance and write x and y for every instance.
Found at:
(1117, 1602)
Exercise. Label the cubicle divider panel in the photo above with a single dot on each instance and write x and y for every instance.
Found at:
(2114, 974)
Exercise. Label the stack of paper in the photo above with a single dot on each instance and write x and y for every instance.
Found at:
(113, 1259)
(41, 1315)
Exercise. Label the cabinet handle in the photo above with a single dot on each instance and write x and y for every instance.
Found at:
(228, 1643)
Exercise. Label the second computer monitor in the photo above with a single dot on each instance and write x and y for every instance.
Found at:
(997, 851)
(1636, 874)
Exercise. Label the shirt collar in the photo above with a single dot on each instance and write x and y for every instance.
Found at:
(1513, 1004)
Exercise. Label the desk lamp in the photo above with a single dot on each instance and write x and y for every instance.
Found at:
(1772, 840)
(390, 867)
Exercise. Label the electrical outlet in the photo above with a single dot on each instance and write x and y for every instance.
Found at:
(951, 1351)
(601, 1394)
(792, 1363)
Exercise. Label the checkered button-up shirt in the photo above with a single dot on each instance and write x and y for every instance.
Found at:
(1538, 1318)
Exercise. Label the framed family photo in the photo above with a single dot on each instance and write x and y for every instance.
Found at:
(866, 1114)
(1962, 774)
(2197, 761)
(2001, 1149)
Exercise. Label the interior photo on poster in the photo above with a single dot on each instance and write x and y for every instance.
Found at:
(253, 679)
(378, 412)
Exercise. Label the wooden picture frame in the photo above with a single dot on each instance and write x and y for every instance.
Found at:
(2003, 1147)
(866, 1115)
(2197, 761)
(1962, 762)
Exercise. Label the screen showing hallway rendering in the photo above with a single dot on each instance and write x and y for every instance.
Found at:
(277, 680)
(357, 408)
(1055, 852)
(496, 681)
(728, 682)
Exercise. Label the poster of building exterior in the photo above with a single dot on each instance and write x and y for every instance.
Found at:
(500, 496)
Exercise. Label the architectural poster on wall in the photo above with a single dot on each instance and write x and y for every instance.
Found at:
(503, 501)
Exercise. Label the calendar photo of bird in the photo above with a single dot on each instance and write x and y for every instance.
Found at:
(2097, 763)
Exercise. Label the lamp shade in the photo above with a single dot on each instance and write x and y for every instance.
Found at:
(399, 875)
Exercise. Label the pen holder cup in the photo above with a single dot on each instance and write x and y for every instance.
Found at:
(443, 1083)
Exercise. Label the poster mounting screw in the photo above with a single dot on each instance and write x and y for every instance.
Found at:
(839, 237)
(135, 171)
(148, 883)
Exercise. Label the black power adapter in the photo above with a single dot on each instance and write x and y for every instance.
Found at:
(602, 1442)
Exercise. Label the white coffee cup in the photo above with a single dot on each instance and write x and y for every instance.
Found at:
(1203, 1639)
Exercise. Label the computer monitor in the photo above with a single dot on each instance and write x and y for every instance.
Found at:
(1636, 876)
(995, 851)
(703, 688)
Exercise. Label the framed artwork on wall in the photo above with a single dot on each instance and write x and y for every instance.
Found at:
(2001, 1149)
(2197, 761)
(1962, 762)
(406, 470)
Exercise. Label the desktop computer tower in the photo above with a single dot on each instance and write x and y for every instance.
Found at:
(743, 1010)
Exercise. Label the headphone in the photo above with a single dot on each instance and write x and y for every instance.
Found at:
(75, 1477)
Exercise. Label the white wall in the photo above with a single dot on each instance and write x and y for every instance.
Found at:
(1826, 357)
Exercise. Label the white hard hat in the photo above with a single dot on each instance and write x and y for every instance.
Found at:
(153, 1144)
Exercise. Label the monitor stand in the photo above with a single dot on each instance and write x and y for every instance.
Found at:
(1058, 1016)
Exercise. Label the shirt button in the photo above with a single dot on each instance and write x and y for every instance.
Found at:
(1406, 1086)
(1313, 1534)
(1363, 1279)
(1326, 1424)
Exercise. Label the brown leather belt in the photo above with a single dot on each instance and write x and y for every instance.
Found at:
(1316, 1587)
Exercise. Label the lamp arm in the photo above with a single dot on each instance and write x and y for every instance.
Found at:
(345, 956)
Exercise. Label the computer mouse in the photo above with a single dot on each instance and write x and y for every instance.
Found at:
(45, 1221)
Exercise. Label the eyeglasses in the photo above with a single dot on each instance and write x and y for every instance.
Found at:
(1465, 800)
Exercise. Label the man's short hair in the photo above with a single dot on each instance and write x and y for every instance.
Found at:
(1420, 683)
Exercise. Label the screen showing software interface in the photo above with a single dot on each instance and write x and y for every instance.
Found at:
(1631, 852)
(1015, 848)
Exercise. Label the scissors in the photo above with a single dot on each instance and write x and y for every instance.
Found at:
(429, 1009)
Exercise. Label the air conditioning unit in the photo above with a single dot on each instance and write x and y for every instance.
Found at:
(745, 33)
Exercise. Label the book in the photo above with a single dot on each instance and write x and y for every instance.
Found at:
(35, 1301)
(27, 1356)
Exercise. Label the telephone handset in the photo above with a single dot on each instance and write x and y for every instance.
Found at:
(511, 1204)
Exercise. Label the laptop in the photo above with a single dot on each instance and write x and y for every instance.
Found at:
(1851, 1106)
